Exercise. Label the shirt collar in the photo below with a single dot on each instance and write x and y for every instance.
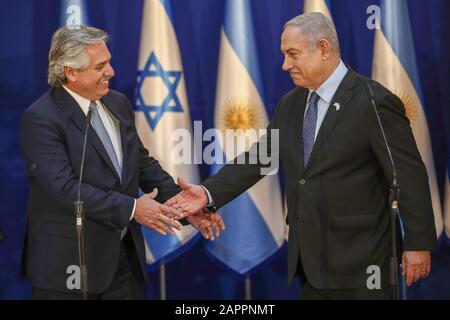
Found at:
(328, 88)
(82, 101)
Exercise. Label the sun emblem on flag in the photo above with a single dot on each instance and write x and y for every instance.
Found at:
(410, 106)
(240, 113)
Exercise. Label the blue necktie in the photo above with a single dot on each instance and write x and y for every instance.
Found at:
(99, 128)
(309, 126)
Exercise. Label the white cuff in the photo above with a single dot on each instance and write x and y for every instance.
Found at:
(134, 209)
(210, 199)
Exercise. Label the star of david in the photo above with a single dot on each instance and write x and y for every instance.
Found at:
(171, 79)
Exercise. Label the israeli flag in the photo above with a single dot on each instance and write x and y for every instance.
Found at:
(255, 220)
(73, 12)
(394, 66)
(162, 111)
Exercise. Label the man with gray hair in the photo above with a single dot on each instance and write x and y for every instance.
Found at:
(337, 173)
(116, 165)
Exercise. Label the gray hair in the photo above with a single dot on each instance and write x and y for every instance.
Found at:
(315, 26)
(68, 50)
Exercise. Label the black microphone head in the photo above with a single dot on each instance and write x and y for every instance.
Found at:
(89, 115)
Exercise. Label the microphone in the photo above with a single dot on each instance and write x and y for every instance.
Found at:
(391, 159)
(88, 121)
(393, 200)
(80, 216)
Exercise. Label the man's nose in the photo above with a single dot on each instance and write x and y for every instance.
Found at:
(286, 64)
(109, 72)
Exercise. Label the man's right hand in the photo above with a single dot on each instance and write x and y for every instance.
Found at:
(189, 201)
(152, 214)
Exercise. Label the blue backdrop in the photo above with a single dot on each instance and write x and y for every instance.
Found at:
(26, 27)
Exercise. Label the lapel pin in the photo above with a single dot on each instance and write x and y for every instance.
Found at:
(337, 106)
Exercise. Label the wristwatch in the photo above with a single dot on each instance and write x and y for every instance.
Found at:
(211, 207)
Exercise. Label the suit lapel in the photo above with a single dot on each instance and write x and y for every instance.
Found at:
(297, 116)
(74, 112)
(342, 97)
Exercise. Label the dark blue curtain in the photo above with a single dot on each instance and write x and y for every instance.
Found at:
(26, 27)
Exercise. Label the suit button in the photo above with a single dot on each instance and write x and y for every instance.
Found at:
(302, 181)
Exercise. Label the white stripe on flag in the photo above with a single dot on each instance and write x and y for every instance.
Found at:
(255, 220)
(235, 83)
(317, 6)
(162, 107)
(389, 71)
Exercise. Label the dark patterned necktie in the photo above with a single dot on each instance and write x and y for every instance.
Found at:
(309, 126)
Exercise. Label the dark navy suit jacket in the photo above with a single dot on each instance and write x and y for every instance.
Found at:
(51, 137)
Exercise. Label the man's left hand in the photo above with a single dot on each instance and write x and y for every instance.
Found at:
(415, 265)
(207, 223)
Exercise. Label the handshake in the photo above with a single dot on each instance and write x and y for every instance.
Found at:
(188, 204)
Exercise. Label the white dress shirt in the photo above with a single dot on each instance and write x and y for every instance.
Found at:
(108, 121)
(326, 93)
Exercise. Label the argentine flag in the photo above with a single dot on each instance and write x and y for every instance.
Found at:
(321, 6)
(394, 66)
(161, 107)
(73, 12)
(255, 220)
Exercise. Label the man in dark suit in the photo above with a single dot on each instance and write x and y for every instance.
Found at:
(116, 166)
(337, 173)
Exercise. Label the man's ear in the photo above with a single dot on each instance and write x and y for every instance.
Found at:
(70, 74)
(325, 48)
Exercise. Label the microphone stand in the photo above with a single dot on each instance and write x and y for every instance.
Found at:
(79, 213)
(393, 205)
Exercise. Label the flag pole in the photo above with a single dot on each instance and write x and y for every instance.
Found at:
(404, 292)
(162, 280)
(248, 288)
